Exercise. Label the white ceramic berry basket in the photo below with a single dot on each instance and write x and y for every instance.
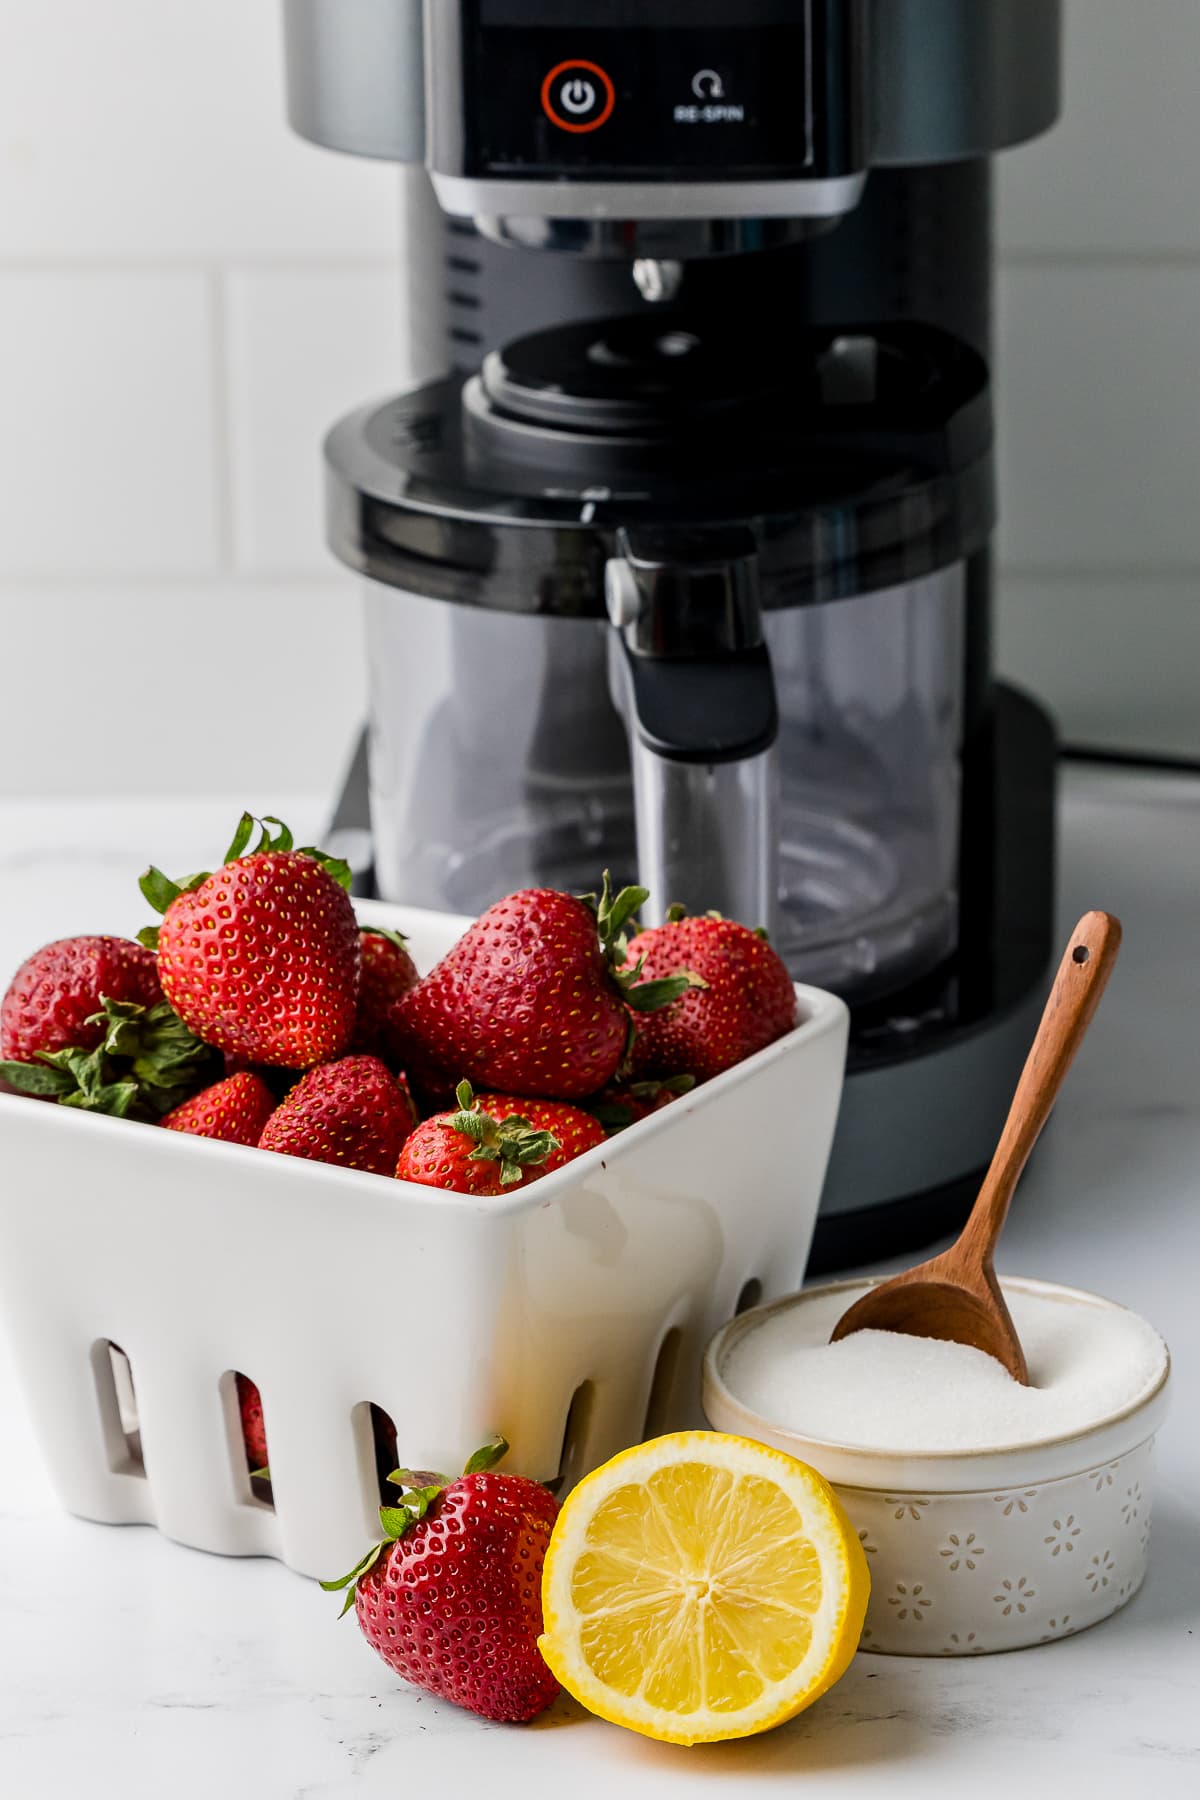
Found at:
(570, 1316)
(980, 1550)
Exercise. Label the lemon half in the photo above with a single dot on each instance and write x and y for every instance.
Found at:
(701, 1587)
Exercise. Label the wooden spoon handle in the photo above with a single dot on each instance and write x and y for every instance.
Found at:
(1082, 978)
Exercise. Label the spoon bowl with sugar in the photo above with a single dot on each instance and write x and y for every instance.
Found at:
(956, 1295)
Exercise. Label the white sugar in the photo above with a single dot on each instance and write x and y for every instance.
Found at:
(885, 1391)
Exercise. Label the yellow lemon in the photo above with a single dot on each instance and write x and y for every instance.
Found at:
(700, 1587)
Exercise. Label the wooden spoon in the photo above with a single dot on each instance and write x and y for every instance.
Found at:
(956, 1295)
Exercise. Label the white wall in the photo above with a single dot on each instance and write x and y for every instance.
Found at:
(189, 296)
(1099, 384)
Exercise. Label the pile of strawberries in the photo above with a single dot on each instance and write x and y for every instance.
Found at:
(259, 1013)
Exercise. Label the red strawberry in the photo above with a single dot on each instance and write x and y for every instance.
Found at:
(451, 1599)
(57, 992)
(254, 1431)
(234, 1110)
(388, 971)
(262, 958)
(351, 1112)
(492, 1144)
(746, 1000)
(530, 1000)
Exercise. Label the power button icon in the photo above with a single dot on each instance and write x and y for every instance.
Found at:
(578, 96)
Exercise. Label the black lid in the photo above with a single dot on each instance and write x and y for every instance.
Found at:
(858, 460)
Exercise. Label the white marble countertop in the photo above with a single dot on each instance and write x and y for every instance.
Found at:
(131, 1667)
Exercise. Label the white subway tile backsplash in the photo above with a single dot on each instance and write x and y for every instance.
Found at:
(1117, 660)
(1098, 400)
(179, 689)
(303, 349)
(1119, 171)
(156, 128)
(159, 421)
(108, 455)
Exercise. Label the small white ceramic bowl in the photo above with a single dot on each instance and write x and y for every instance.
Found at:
(978, 1550)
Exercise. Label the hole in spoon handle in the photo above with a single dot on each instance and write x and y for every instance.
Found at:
(1080, 953)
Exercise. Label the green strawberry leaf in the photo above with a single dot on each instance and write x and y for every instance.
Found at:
(166, 1061)
(673, 1084)
(148, 936)
(350, 1582)
(487, 1457)
(241, 837)
(41, 1080)
(360, 1568)
(158, 889)
(116, 1098)
(332, 865)
(650, 996)
(613, 914)
(283, 839)
(676, 914)
(395, 1521)
(405, 1478)
(477, 1126)
(146, 1063)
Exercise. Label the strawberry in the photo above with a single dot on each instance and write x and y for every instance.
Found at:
(623, 1103)
(744, 1001)
(388, 971)
(531, 1000)
(254, 1430)
(451, 1599)
(234, 1110)
(54, 998)
(262, 958)
(496, 1142)
(352, 1112)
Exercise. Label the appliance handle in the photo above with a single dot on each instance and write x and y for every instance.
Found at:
(688, 610)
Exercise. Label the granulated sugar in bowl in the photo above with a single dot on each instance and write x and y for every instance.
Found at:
(993, 1515)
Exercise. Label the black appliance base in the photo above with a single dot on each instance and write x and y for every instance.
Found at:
(847, 1240)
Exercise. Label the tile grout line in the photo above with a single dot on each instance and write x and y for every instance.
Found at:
(224, 451)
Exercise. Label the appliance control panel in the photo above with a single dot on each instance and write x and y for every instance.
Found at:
(652, 90)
